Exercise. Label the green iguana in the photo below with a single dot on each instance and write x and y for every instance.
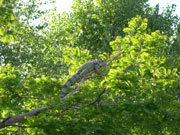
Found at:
(82, 72)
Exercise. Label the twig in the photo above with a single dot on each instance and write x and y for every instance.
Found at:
(113, 59)
(97, 99)
(126, 116)
(19, 126)
(65, 109)
(33, 97)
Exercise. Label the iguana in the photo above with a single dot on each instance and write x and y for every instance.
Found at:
(82, 72)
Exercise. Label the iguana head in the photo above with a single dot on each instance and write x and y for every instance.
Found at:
(101, 63)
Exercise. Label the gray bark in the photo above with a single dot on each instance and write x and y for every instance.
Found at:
(10, 120)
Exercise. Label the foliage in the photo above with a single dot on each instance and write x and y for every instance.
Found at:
(30, 42)
(8, 19)
(166, 21)
(93, 24)
(137, 94)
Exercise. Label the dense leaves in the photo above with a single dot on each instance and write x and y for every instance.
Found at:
(138, 93)
(8, 20)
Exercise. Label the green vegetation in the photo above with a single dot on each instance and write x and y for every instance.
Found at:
(138, 93)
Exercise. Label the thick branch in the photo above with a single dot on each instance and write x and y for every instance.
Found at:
(10, 120)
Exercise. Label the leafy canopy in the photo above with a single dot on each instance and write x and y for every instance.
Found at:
(140, 91)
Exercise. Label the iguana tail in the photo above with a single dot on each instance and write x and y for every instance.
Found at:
(69, 83)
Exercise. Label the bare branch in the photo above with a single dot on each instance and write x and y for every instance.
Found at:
(113, 59)
(97, 99)
(34, 97)
(10, 120)
(65, 109)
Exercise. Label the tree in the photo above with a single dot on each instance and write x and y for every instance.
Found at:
(8, 19)
(29, 43)
(136, 94)
(93, 24)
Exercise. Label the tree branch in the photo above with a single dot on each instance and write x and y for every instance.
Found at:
(10, 120)
(97, 99)
(113, 58)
